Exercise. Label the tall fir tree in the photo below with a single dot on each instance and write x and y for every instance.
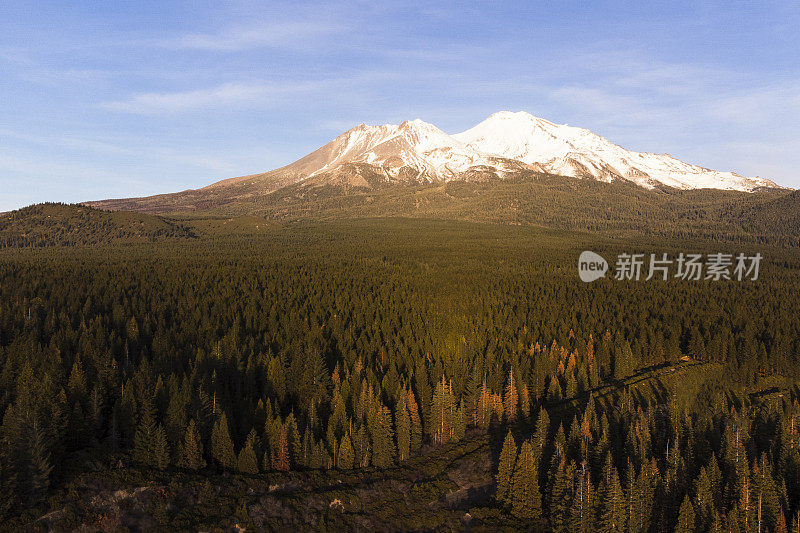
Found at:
(379, 422)
(612, 514)
(150, 440)
(222, 445)
(582, 512)
(511, 399)
(247, 461)
(505, 469)
(280, 461)
(416, 422)
(346, 455)
(442, 411)
(686, 517)
(192, 449)
(526, 500)
(561, 494)
(403, 425)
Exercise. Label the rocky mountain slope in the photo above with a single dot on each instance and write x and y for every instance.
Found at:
(504, 146)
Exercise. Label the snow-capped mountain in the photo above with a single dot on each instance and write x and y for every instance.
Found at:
(503, 144)
(415, 149)
(570, 151)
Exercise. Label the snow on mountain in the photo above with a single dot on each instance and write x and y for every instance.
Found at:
(413, 144)
(503, 144)
(577, 152)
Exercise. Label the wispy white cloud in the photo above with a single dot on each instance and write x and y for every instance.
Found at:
(259, 93)
(275, 34)
(228, 94)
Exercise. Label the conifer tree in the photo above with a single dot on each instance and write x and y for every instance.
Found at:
(192, 449)
(281, 459)
(150, 440)
(541, 435)
(222, 445)
(483, 407)
(612, 517)
(379, 423)
(686, 517)
(403, 424)
(247, 462)
(582, 512)
(561, 493)
(704, 500)
(346, 455)
(511, 399)
(416, 422)
(442, 412)
(526, 500)
(505, 469)
(176, 420)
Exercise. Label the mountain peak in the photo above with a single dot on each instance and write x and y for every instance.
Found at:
(512, 115)
(503, 144)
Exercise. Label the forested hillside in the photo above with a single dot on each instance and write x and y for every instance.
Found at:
(617, 208)
(61, 224)
(308, 374)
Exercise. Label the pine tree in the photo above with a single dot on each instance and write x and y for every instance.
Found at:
(379, 424)
(766, 498)
(361, 447)
(643, 489)
(483, 407)
(176, 421)
(416, 422)
(704, 499)
(247, 462)
(222, 445)
(505, 468)
(686, 517)
(612, 517)
(511, 399)
(526, 500)
(561, 493)
(581, 514)
(150, 440)
(442, 412)
(346, 455)
(403, 430)
(192, 452)
(160, 448)
(281, 459)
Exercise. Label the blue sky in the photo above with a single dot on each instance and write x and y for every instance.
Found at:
(124, 98)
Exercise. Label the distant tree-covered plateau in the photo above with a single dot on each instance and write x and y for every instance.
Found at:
(390, 374)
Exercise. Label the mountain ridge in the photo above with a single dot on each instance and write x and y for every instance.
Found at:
(505, 145)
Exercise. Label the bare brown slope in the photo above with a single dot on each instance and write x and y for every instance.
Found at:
(228, 193)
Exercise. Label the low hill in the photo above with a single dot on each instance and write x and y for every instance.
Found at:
(53, 224)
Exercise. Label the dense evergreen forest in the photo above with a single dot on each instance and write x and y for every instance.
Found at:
(54, 224)
(246, 374)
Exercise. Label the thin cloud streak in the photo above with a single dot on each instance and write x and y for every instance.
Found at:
(282, 34)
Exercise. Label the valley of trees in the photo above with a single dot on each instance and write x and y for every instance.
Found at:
(362, 346)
